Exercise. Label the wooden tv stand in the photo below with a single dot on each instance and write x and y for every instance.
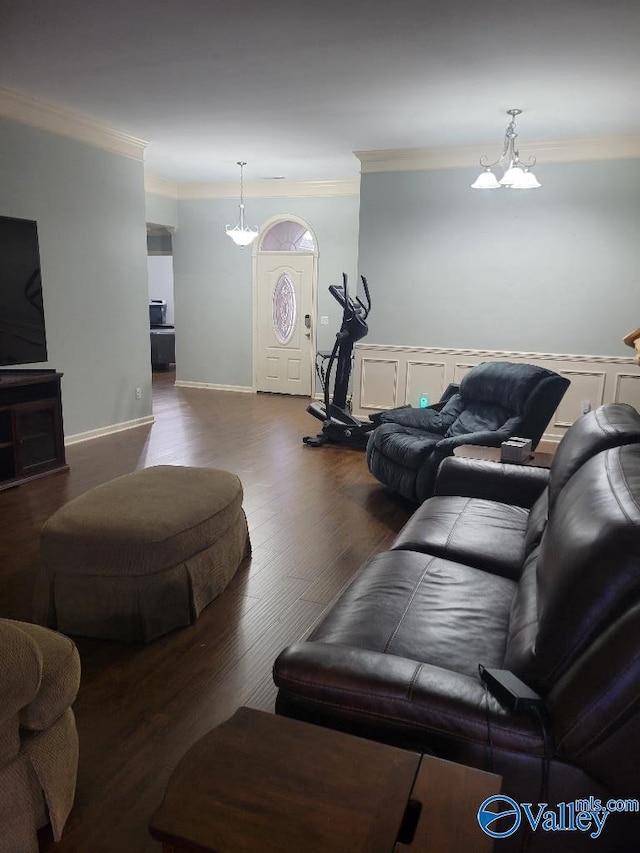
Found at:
(31, 432)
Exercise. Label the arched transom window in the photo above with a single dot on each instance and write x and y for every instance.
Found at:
(287, 236)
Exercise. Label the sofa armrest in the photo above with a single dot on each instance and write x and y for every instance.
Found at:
(20, 676)
(520, 485)
(396, 697)
(60, 677)
(20, 669)
(486, 438)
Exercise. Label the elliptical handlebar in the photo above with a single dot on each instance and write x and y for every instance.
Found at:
(350, 306)
(365, 287)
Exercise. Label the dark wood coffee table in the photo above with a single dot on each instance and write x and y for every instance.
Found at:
(261, 783)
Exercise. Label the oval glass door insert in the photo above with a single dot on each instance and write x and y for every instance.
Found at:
(284, 309)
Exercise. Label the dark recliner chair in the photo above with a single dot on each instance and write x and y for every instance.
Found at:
(495, 401)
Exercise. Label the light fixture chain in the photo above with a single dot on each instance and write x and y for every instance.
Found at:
(242, 165)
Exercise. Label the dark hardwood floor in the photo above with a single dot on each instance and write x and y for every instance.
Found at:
(315, 514)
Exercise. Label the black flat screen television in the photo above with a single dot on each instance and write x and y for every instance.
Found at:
(22, 331)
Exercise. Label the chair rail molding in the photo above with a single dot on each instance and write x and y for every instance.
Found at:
(386, 376)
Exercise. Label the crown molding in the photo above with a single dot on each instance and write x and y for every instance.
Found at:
(160, 186)
(43, 115)
(457, 157)
(271, 189)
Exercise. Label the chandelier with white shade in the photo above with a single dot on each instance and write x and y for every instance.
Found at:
(517, 175)
(241, 234)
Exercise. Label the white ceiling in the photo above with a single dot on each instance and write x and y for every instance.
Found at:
(295, 88)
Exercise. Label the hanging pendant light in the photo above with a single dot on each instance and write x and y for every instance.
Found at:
(517, 175)
(241, 234)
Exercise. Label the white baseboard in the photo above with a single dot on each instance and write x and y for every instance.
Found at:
(214, 386)
(109, 430)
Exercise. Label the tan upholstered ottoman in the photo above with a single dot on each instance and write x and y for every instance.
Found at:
(142, 554)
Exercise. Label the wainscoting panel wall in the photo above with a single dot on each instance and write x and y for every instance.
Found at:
(628, 388)
(382, 384)
(424, 374)
(388, 376)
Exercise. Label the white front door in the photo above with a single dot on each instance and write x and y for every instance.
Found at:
(285, 322)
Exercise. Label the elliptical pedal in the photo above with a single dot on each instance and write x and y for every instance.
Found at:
(315, 440)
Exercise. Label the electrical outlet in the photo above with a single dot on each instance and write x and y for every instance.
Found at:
(585, 406)
(138, 393)
(324, 321)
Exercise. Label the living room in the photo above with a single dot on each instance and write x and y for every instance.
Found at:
(457, 276)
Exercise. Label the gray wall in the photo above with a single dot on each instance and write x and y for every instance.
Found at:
(549, 270)
(89, 205)
(554, 270)
(213, 280)
(161, 210)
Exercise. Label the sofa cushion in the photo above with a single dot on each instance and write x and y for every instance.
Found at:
(505, 384)
(536, 523)
(424, 608)
(413, 705)
(504, 482)
(523, 624)
(485, 534)
(478, 417)
(607, 426)
(589, 564)
(595, 707)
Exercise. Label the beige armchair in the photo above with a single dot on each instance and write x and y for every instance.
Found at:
(39, 680)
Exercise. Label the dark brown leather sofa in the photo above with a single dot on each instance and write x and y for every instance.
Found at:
(513, 567)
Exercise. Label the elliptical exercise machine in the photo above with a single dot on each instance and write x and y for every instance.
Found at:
(338, 424)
